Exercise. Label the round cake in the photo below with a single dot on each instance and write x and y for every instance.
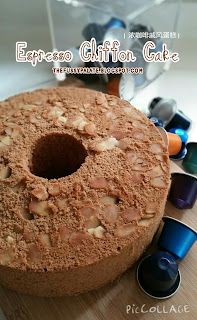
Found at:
(84, 178)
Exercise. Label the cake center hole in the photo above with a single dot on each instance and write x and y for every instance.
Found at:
(57, 155)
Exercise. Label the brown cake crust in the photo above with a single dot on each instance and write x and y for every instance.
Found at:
(83, 183)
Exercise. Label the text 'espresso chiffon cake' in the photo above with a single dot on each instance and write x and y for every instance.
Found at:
(84, 178)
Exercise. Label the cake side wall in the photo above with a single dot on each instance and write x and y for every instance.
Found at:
(78, 280)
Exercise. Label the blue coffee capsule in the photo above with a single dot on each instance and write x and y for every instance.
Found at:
(180, 120)
(183, 191)
(94, 30)
(158, 275)
(181, 133)
(115, 23)
(176, 237)
(157, 122)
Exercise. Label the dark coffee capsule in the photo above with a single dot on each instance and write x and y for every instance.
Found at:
(190, 161)
(158, 275)
(94, 30)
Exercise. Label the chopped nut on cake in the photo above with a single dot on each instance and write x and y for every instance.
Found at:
(98, 183)
(40, 193)
(104, 145)
(98, 232)
(5, 141)
(125, 230)
(40, 208)
(5, 172)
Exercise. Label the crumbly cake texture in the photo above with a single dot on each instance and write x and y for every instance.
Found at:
(84, 178)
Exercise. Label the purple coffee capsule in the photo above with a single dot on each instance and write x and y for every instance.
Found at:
(158, 275)
(176, 237)
(183, 191)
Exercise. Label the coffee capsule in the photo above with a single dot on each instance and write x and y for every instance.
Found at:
(163, 109)
(158, 275)
(179, 120)
(157, 122)
(183, 191)
(114, 23)
(176, 237)
(181, 155)
(181, 133)
(137, 27)
(174, 143)
(190, 160)
(166, 110)
(94, 30)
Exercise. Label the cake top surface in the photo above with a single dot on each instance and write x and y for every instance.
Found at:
(82, 175)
